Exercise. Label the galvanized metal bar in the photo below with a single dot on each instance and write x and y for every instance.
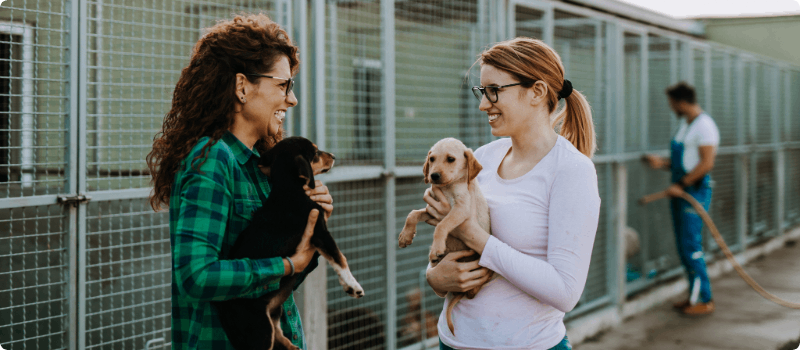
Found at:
(674, 58)
(619, 86)
(726, 86)
(707, 77)
(549, 25)
(644, 97)
(80, 166)
(617, 255)
(740, 165)
(752, 95)
(500, 12)
(302, 13)
(687, 55)
(787, 104)
(112, 195)
(388, 87)
(333, 15)
(511, 23)
(315, 307)
(610, 102)
(72, 172)
(319, 73)
(780, 154)
(753, 91)
(22, 202)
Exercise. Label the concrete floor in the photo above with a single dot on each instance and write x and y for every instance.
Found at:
(743, 319)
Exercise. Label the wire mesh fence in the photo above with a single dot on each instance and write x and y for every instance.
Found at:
(84, 127)
(128, 267)
(34, 98)
(34, 277)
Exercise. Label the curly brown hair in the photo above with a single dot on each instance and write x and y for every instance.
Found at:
(204, 97)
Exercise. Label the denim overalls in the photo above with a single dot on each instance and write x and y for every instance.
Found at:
(689, 228)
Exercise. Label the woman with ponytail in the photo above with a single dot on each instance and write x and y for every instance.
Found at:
(541, 187)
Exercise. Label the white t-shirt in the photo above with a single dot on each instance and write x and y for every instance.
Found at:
(702, 132)
(543, 226)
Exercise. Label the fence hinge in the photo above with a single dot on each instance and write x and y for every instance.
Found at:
(73, 200)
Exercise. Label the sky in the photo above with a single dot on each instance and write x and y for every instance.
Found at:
(719, 8)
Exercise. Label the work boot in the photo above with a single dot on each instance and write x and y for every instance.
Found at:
(699, 309)
(681, 304)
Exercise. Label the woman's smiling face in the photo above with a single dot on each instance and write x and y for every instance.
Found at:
(507, 116)
(267, 101)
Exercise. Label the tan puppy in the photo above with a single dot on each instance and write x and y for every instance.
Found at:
(451, 167)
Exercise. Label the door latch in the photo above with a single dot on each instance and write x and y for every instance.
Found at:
(73, 200)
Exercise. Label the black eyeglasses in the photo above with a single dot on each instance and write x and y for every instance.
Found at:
(289, 86)
(490, 91)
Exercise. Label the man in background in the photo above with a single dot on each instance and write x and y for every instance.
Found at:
(692, 153)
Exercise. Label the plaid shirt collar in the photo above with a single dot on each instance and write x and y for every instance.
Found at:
(240, 151)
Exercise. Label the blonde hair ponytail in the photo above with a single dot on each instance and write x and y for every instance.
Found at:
(576, 123)
(530, 60)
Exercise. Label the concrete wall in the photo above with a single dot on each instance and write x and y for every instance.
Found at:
(770, 36)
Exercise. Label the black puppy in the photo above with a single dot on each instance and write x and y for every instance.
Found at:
(275, 231)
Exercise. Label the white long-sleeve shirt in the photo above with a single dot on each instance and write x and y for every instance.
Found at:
(543, 227)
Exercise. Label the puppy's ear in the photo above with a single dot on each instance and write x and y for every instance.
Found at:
(473, 167)
(426, 168)
(304, 170)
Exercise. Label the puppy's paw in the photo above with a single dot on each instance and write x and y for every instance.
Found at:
(406, 237)
(354, 291)
(437, 252)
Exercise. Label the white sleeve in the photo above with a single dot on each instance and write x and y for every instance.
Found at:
(708, 134)
(573, 215)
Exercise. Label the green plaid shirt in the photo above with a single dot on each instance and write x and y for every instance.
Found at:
(207, 211)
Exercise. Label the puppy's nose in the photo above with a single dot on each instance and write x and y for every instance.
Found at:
(332, 156)
(435, 176)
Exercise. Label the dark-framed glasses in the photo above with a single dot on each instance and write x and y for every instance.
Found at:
(491, 91)
(289, 86)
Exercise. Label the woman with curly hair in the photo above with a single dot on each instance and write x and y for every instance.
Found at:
(228, 108)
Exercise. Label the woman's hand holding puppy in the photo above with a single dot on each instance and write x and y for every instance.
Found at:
(453, 276)
(321, 195)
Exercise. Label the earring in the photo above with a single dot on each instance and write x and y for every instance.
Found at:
(244, 99)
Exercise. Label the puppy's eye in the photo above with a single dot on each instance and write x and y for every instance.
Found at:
(450, 159)
(431, 159)
(324, 171)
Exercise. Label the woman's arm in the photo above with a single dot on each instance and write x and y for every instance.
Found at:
(573, 215)
(453, 276)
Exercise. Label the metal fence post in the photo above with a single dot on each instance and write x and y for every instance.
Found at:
(301, 27)
(644, 104)
(752, 140)
(740, 166)
(319, 72)
(388, 61)
(549, 26)
(618, 234)
(687, 55)
(614, 109)
(80, 166)
(780, 161)
(314, 289)
(72, 171)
